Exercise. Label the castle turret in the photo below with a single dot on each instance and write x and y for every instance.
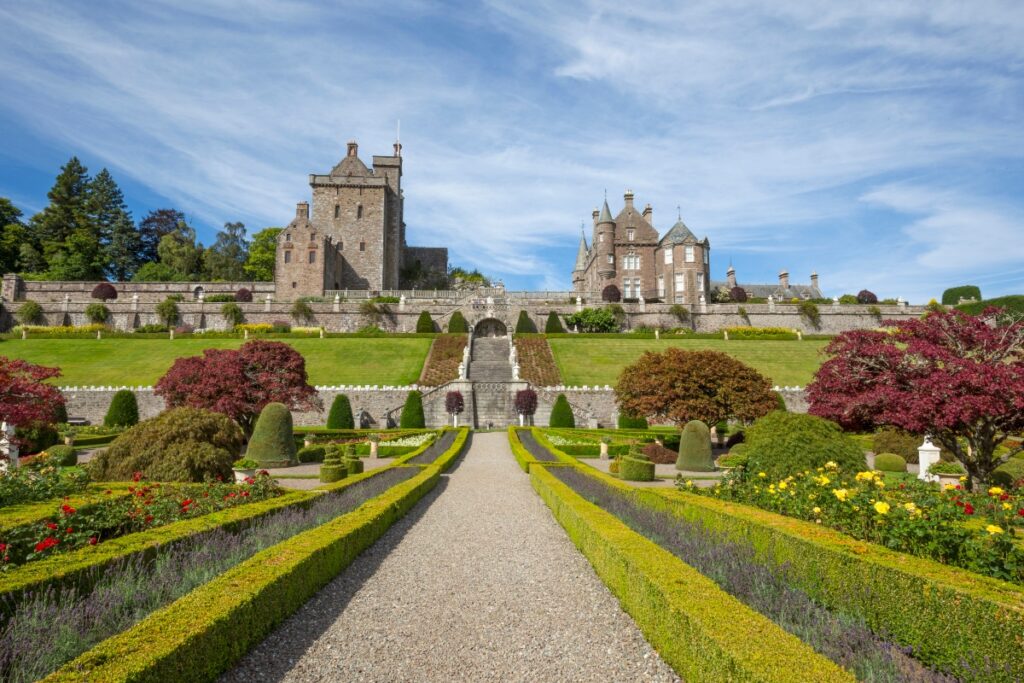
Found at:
(605, 243)
(579, 270)
(814, 283)
(730, 277)
(784, 280)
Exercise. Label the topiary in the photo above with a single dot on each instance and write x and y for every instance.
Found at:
(890, 462)
(243, 295)
(866, 296)
(657, 453)
(311, 454)
(354, 466)
(1009, 473)
(561, 414)
(695, 448)
(781, 444)
(892, 440)
(553, 324)
(97, 313)
(65, 456)
(272, 443)
(104, 291)
(123, 410)
(181, 444)
(457, 324)
(635, 468)
(340, 416)
(424, 324)
(524, 325)
(412, 412)
(167, 311)
(628, 422)
(332, 469)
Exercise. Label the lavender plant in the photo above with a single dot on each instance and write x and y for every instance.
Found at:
(48, 628)
(435, 450)
(535, 449)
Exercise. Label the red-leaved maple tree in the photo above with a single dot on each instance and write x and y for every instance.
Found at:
(25, 398)
(239, 383)
(956, 377)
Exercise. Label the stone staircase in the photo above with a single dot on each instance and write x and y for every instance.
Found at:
(488, 360)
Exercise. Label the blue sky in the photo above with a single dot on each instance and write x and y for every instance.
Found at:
(879, 143)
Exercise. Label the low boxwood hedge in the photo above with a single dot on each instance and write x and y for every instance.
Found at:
(701, 631)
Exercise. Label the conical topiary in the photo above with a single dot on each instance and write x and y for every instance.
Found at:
(695, 448)
(340, 416)
(425, 324)
(412, 412)
(561, 413)
(272, 442)
(123, 410)
(554, 324)
(525, 325)
(457, 324)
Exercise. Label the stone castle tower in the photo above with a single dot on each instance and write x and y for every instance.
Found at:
(355, 236)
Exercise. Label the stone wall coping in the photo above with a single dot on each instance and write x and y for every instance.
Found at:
(338, 387)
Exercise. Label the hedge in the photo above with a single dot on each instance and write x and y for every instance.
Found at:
(202, 634)
(14, 516)
(93, 440)
(634, 469)
(710, 637)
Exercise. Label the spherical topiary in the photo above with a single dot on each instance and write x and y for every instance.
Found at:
(695, 448)
(865, 296)
(123, 410)
(333, 469)
(633, 468)
(553, 324)
(629, 422)
(890, 462)
(181, 444)
(425, 324)
(738, 294)
(781, 444)
(1009, 473)
(412, 412)
(104, 291)
(311, 454)
(561, 414)
(524, 325)
(611, 294)
(340, 416)
(272, 443)
(64, 456)
(457, 323)
(243, 295)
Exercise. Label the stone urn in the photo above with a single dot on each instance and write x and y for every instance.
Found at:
(244, 469)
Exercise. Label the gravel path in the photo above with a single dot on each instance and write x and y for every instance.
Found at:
(477, 583)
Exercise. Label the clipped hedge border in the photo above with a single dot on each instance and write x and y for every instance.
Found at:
(446, 459)
(94, 440)
(946, 614)
(523, 457)
(203, 633)
(701, 631)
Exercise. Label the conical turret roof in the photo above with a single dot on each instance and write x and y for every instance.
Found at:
(581, 254)
(606, 215)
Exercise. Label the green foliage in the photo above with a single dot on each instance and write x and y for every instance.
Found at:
(333, 469)
(272, 442)
(628, 422)
(525, 325)
(182, 444)
(311, 454)
(457, 324)
(26, 484)
(561, 414)
(123, 410)
(890, 462)
(30, 312)
(593, 320)
(62, 455)
(636, 468)
(695, 448)
(892, 440)
(553, 324)
(952, 296)
(747, 332)
(780, 402)
(1013, 304)
(232, 313)
(1009, 473)
(302, 312)
(809, 312)
(354, 466)
(781, 444)
(680, 312)
(412, 411)
(848, 299)
(259, 265)
(36, 437)
(167, 311)
(97, 313)
(425, 324)
(340, 416)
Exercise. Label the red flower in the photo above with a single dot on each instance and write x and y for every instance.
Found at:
(1020, 512)
(51, 526)
(149, 518)
(245, 494)
(108, 492)
(67, 509)
(1005, 496)
(137, 476)
(185, 503)
(68, 530)
(48, 542)
(93, 540)
(968, 509)
(263, 473)
(903, 486)
(959, 487)
(3, 547)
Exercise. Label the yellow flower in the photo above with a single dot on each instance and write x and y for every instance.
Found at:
(689, 482)
(831, 465)
(841, 494)
(865, 476)
(817, 511)
(993, 529)
(879, 483)
(962, 479)
(783, 485)
(995, 491)
(910, 507)
(762, 475)
(949, 487)
(881, 507)
(1006, 506)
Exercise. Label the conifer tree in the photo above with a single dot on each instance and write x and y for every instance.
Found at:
(66, 213)
(152, 229)
(114, 227)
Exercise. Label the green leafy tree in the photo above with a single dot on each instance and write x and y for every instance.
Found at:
(412, 412)
(259, 266)
(114, 227)
(561, 414)
(952, 296)
(152, 229)
(593, 320)
(179, 252)
(226, 257)
(232, 314)
(340, 416)
(167, 311)
(97, 313)
(154, 272)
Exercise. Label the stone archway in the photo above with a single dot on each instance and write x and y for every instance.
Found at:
(490, 327)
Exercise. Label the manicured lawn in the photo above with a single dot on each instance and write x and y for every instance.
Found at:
(136, 362)
(599, 361)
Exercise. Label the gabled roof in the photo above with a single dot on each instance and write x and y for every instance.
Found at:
(606, 215)
(581, 254)
(678, 234)
(350, 166)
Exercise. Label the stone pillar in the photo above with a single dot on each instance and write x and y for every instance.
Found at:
(337, 303)
(462, 370)
(771, 304)
(266, 303)
(8, 448)
(927, 455)
(135, 303)
(643, 304)
(579, 304)
(703, 303)
(835, 304)
(66, 306)
(401, 303)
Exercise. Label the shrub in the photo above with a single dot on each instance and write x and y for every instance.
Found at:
(232, 314)
(525, 325)
(809, 312)
(412, 411)
(184, 329)
(181, 444)
(340, 416)
(65, 456)
(731, 459)
(36, 437)
(892, 440)
(735, 439)
(526, 402)
(738, 294)
(152, 329)
(353, 465)
(167, 311)
(243, 295)
(333, 469)
(424, 324)
(780, 402)
(865, 296)
(848, 299)
(30, 312)
(628, 422)
(636, 468)
(218, 298)
(952, 296)
(123, 410)
(611, 294)
(272, 440)
(695, 448)
(561, 414)
(104, 291)
(311, 454)
(1009, 473)
(781, 444)
(457, 324)
(553, 324)
(890, 462)
(97, 313)
(302, 312)
(681, 312)
(593, 320)
(658, 454)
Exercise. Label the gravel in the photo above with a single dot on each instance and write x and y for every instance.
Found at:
(477, 583)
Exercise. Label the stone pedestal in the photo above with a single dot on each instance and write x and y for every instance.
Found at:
(927, 455)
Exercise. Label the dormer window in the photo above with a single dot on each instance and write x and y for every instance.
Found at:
(630, 234)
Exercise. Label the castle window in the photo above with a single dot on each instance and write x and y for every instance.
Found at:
(611, 259)
(600, 237)
(705, 257)
(294, 285)
(627, 288)
(700, 282)
(359, 211)
(689, 254)
(632, 262)
(312, 257)
(661, 286)
(287, 237)
(668, 256)
(630, 234)
(337, 210)
(288, 257)
(340, 245)
(362, 246)
(680, 286)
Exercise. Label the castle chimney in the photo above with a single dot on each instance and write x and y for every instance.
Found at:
(730, 277)
(629, 199)
(814, 281)
(353, 148)
(398, 149)
(784, 280)
(648, 214)
(302, 211)
(596, 212)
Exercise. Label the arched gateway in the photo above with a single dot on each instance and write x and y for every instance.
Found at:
(490, 327)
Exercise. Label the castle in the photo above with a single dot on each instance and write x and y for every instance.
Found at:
(354, 238)
(626, 252)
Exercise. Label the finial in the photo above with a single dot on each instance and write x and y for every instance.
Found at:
(582, 229)
(679, 212)
(606, 194)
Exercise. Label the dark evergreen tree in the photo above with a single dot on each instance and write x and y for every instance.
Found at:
(12, 235)
(67, 213)
(412, 412)
(225, 259)
(123, 410)
(553, 324)
(561, 413)
(152, 229)
(525, 325)
(457, 324)
(425, 324)
(113, 223)
(179, 252)
(340, 416)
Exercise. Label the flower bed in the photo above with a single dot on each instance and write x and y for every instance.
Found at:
(29, 484)
(443, 451)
